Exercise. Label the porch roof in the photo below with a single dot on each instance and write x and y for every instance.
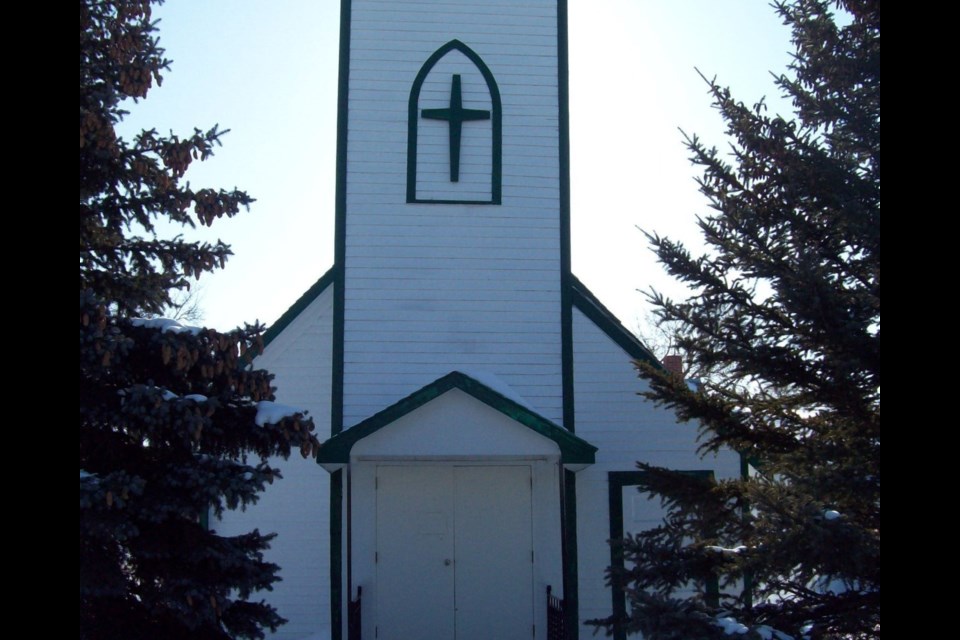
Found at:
(573, 450)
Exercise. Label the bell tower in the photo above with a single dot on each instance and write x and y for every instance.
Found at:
(452, 224)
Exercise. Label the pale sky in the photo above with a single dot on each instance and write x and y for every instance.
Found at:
(267, 70)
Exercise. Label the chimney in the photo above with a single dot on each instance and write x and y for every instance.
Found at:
(673, 364)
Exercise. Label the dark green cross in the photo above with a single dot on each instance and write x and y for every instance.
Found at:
(455, 115)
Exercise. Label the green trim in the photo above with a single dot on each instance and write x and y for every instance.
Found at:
(339, 263)
(297, 307)
(711, 592)
(340, 231)
(569, 547)
(617, 480)
(615, 516)
(573, 450)
(745, 463)
(336, 555)
(451, 202)
(586, 302)
(566, 277)
(413, 117)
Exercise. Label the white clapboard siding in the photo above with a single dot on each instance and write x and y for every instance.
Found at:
(432, 288)
(626, 428)
(297, 506)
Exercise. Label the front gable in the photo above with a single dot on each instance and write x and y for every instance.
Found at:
(456, 415)
(455, 425)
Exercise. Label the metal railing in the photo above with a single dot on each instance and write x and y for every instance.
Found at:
(556, 622)
(354, 630)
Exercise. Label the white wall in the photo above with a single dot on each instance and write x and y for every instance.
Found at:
(626, 428)
(433, 288)
(297, 506)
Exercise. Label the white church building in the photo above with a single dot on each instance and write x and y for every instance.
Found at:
(479, 405)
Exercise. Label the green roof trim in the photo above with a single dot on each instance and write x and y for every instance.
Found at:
(586, 302)
(568, 544)
(583, 299)
(573, 450)
(335, 276)
(297, 307)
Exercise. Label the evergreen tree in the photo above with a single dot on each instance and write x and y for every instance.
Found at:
(174, 422)
(783, 327)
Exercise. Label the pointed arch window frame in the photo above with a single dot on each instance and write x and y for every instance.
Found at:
(496, 119)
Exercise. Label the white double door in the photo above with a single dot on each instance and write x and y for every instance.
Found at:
(454, 552)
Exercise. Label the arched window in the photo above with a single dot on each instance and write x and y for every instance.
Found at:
(454, 145)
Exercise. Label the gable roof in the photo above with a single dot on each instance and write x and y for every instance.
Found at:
(297, 307)
(583, 299)
(573, 450)
(590, 306)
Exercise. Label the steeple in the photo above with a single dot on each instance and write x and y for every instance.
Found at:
(451, 218)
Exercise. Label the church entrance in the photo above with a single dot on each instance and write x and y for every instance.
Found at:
(454, 555)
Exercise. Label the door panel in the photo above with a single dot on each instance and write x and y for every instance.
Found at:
(414, 552)
(494, 571)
